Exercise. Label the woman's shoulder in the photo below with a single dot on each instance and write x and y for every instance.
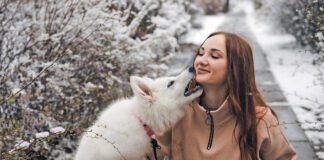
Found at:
(266, 117)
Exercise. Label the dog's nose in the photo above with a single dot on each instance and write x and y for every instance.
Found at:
(191, 69)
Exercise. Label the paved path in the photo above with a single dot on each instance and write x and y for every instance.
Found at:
(270, 89)
(236, 22)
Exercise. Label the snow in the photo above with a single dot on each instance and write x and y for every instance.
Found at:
(296, 76)
(88, 46)
(292, 67)
(320, 155)
(42, 134)
(57, 130)
(16, 90)
(20, 145)
(301, 82)
(90, 85)
(208, 25)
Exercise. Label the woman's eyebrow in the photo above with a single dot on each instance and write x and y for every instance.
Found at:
(215, 50)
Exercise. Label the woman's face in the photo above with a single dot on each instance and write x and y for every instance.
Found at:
(211, 62)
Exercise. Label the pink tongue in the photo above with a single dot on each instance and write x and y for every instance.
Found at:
(192, 85)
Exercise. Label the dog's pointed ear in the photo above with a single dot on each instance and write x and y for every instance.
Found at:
(148, 79)
(140, 86)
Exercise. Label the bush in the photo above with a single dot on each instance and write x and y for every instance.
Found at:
(213, 6)
(303, 19)
(62, 62)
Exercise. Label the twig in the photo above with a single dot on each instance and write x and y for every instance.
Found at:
(112, 143)
(34, 141)
(46, 68)
(306, 98)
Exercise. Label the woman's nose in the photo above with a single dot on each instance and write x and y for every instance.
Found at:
(202, 59)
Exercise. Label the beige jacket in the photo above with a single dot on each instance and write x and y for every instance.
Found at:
(188, 139)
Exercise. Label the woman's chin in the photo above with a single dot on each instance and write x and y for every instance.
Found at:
(201, 80)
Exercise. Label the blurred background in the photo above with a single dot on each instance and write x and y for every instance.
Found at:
(62, 62)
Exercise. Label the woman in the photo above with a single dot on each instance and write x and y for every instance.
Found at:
(230, 120)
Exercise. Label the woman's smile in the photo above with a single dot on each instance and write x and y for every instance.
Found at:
(202, 71)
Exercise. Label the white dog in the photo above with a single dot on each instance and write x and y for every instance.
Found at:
(124, 130)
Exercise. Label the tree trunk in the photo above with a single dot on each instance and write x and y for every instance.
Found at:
(226, 6)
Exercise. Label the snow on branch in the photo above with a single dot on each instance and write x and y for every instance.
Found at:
(62, 62)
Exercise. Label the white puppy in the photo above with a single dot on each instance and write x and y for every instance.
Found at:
(119, 132)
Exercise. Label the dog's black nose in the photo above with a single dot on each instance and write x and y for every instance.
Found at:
(191, 69)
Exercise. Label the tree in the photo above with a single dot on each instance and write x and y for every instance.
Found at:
(226, 6)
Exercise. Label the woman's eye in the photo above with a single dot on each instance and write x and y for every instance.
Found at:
(215, 57)
(170, 83)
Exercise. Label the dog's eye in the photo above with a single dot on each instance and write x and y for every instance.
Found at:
(170, 83)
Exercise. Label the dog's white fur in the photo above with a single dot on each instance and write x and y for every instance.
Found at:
(118, 133)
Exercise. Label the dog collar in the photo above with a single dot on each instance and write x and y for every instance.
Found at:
(150, 133)
(147, 128)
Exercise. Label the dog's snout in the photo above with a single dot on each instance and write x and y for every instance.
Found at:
(191, 69)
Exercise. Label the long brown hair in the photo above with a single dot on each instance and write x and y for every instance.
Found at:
(243, 94)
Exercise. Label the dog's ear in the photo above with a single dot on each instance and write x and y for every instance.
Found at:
(148, 79)
(140, 86)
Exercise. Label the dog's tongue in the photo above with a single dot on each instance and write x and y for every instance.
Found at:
(192, 87)
(192, 84)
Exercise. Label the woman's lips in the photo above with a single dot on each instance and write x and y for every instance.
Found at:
(202, 71)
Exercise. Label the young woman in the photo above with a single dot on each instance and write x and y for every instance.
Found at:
(230, 120)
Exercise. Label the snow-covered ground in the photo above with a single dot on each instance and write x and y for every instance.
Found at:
(208, 24)
(301, 81)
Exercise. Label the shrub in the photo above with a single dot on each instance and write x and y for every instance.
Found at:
(68, 59)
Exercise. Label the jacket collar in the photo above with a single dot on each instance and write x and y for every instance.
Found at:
(220, 116)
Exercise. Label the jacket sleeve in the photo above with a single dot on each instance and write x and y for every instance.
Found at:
(272, 142)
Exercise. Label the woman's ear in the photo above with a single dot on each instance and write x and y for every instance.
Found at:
(140, 87)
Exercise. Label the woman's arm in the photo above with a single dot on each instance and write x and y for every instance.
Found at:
(273, 143)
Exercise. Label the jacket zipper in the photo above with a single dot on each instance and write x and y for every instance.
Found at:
(210, 121)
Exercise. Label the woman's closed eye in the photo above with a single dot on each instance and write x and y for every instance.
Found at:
(213, 54)
(215, 57)
(216, 54)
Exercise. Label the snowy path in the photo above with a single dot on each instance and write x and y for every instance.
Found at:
(237, 21)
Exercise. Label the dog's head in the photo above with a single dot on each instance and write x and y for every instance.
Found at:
(165, 96)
